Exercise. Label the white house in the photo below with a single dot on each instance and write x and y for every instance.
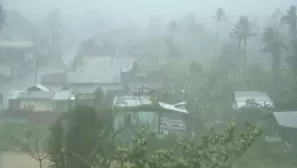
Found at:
(251, 99)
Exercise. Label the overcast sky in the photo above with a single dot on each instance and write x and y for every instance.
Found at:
(138, 9)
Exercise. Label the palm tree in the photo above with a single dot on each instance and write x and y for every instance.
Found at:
(219, 17)
(290, 19)
(274, 45)
(242, 31)
(173, 50)
(172, 29)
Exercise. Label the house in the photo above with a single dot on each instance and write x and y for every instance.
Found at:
(36, 100)
(251, 99)
(85, 80)
(282, 127)
(139, 76)
(132, 113)
(39, 98)
(94, 72)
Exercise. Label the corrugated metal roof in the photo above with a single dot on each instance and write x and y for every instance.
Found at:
(131, 101)
(100, 70)
(286, 119)
(40, 87)
(107, 64)
(93, 78)
(59, 77)
(82, 90)
(172, 108)
(62, 95)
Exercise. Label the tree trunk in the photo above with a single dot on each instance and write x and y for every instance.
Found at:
(35, 68)
(276, 59)
(238, 58)
(244, 58)
(40, 163)
(217, 38)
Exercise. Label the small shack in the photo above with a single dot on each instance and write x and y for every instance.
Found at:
(158, 117)
(254, 99)
(282, 126)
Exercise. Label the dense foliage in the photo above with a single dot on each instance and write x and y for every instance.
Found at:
(86, 145)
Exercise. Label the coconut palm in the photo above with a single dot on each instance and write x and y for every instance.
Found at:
(219, 17)
(242, 31)
(290, 18)
(273, 45)
(172, 29)
(173, 50)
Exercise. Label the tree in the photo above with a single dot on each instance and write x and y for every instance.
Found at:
(228, 60)
(219, 17)
(293, 58)
(215, 149)
(291, 20)
(173, 47)
(242, 31)
(32, 147)
(81, 135)
(274, 45)
(172, 28)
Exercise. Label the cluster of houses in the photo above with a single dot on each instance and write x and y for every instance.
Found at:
(133, 107)
(38, 98)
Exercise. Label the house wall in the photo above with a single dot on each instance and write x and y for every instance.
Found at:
(148, 120)
(37, 105)
(172, 123)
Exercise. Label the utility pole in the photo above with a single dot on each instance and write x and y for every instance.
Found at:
(35, 68)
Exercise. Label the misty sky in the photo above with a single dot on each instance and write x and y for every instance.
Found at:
(138, 9)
